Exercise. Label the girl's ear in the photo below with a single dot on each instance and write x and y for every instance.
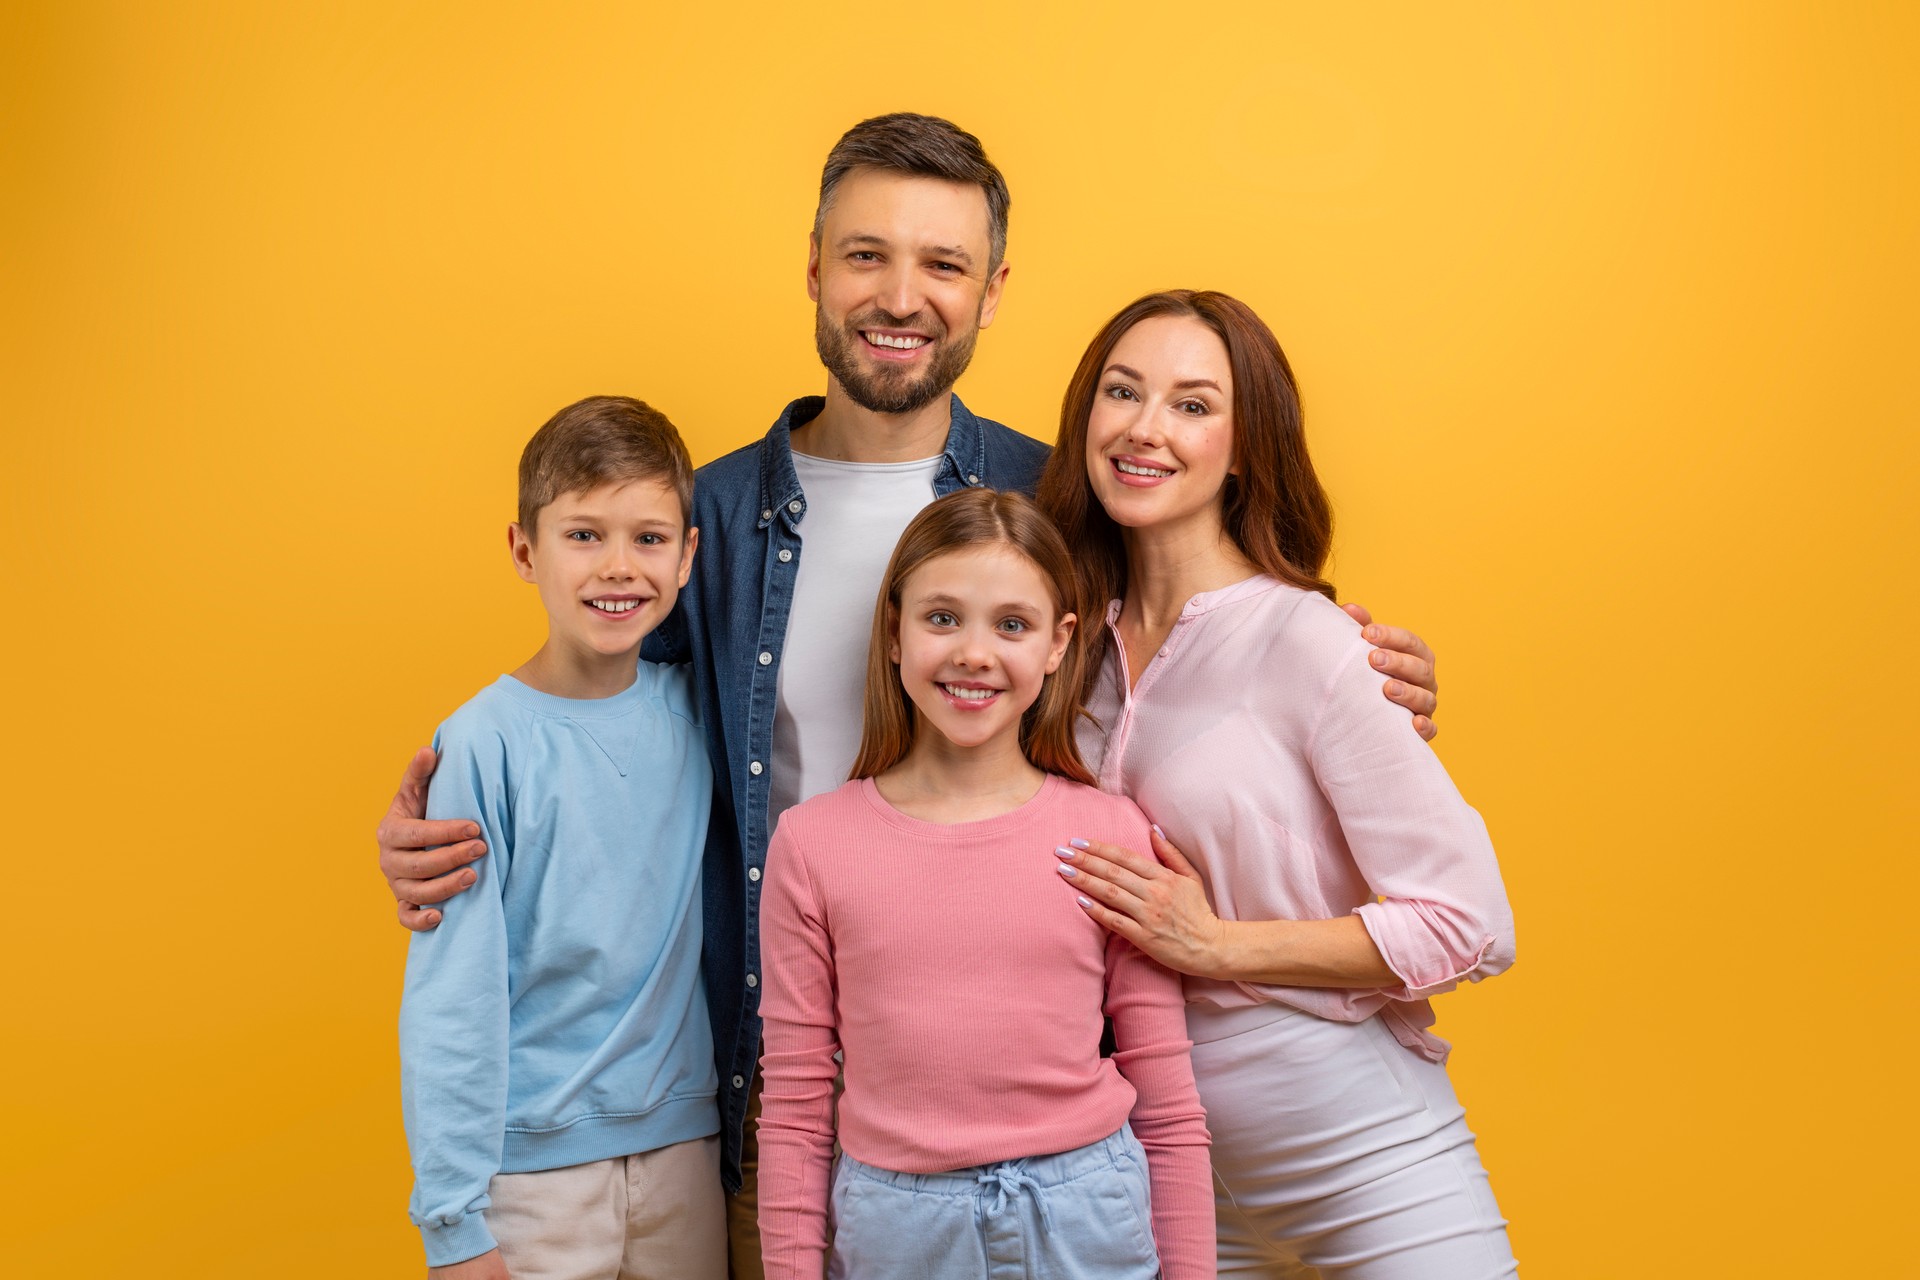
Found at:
(1062, 637)
(893, 635)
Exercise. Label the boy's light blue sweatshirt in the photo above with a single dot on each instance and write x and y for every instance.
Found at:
(557, 1016)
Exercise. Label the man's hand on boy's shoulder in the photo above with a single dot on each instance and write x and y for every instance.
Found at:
(488, 1266)
(418, 873)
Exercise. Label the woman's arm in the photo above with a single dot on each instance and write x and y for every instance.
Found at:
(800, 1038)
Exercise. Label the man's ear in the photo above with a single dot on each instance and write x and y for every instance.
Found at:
(990, 301)
(813, 267)
(520, 547)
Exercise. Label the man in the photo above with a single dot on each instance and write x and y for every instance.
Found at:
(907, 263)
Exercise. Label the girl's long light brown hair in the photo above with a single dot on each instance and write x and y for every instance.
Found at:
(1274, 509)
(960, 522)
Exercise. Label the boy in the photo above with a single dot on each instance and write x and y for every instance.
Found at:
(556, 1060)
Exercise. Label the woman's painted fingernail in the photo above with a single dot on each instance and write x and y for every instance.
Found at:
(1062, 851)
(1064, 869)
(1083, 902)
(1079, 844)
(1157, 831)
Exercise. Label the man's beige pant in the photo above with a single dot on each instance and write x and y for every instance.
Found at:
(655, 1216)
(743, 1210)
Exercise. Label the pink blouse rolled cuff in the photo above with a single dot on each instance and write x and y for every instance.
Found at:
(1432, 948)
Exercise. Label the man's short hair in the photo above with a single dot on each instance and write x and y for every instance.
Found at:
(924, 147)
(602, 440)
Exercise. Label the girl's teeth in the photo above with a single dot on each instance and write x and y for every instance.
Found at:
(970, 695)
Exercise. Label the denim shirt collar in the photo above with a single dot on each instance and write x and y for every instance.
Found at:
(963, 461)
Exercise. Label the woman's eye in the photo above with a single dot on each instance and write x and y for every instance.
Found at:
(1194, 408)
(941, 618)
(1118, 392)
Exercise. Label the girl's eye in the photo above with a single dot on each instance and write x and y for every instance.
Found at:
(1013, 626)
(1118, 392)
(941, 618)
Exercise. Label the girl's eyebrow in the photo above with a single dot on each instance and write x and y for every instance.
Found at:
(941, 598)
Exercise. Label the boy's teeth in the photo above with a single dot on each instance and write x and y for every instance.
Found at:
(970, 695)
(903, 344)
(614, 606)
(1132, 470)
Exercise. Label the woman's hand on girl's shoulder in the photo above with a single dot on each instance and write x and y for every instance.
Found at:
(1408, 663)
(1160, 907)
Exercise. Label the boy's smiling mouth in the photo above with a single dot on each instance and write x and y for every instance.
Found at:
(616, 606)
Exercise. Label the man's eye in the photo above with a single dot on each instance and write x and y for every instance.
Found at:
(946, 266)
(864, 255)
(941, 618)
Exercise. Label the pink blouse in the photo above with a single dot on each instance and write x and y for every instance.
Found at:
(1258, 740)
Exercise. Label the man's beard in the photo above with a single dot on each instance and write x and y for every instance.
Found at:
(888, 390)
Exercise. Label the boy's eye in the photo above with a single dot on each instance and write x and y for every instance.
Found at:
(651, 540)
(580, 535)
(941, 618)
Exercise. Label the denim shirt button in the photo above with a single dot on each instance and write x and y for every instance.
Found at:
(767, 514)
(753, 980)
(794, 506)
(785, 555)
(973, 479)
(753, 873)
(753, 768)
(766, 659)
(739, 1082)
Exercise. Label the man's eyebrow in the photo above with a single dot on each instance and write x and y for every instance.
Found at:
(953, 251)
(862, 238)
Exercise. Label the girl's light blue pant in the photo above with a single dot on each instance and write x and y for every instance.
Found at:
(1078, 1215)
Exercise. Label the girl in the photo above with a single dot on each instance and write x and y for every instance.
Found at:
(1336, 878)
(913, 923)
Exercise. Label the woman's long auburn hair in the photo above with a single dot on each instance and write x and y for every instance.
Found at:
(1274, 508)
(963, 521)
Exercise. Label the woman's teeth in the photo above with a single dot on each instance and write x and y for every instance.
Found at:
(969, 695)
(1129, 468)
(614, 606)
(899, 344)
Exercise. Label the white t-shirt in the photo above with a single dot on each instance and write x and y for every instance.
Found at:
(856, 512)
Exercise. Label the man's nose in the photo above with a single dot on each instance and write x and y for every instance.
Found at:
(900, 295)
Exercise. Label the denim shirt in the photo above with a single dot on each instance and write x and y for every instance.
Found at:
(731, 624)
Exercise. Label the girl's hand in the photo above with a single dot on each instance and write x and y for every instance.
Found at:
(1160, 907)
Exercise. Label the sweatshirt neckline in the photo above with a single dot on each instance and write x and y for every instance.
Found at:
(1012, 820)
(578, 708)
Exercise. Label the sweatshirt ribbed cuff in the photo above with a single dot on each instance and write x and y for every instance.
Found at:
(465, 1237)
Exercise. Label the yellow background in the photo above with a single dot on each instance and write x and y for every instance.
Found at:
(1605, 323)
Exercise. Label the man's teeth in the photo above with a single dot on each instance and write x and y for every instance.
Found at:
(1128, 468)
(900, 344)
(969, 695)
(614, 606)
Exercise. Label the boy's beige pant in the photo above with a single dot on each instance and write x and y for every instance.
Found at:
(655, 1216)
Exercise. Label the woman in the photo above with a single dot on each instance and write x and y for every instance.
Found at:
(1347, 878)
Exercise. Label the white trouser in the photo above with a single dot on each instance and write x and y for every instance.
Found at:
(1338, 1152)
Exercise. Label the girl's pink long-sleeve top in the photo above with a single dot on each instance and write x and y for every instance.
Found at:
(1258, 740)
(966, 990)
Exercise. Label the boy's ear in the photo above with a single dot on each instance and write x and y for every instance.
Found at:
(1062, 637)
(686, 555)
(520, 546)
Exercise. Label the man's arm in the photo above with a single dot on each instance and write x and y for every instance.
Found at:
(418, 873)
(1408, 663)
